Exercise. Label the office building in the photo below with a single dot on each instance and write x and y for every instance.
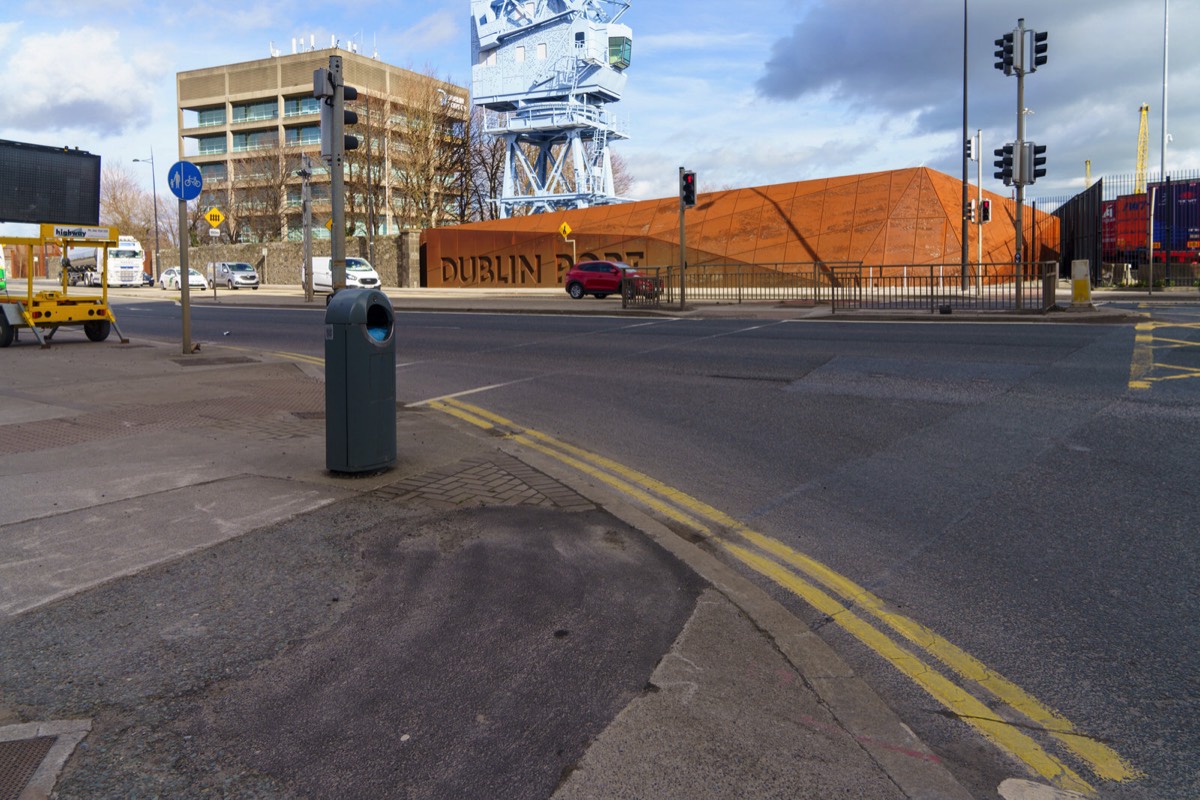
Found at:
(248, 126)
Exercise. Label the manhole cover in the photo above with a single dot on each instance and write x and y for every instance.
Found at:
(19, 760)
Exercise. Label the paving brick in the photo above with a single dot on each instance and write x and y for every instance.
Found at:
(502, 480)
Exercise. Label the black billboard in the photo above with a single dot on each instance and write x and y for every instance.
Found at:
(48, 184)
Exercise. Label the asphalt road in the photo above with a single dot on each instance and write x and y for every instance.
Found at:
(1027, 491)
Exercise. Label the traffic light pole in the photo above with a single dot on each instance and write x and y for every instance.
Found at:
(305, 174)
(1020, 163)
(337, 179)
(979, 211)
(682, 246)
(966, 182)
(1019, 152)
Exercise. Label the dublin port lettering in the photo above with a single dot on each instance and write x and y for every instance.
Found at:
(518, 270)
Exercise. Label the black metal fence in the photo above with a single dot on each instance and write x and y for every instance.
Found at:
(642, 291)
(1145, 230)
(746, 283)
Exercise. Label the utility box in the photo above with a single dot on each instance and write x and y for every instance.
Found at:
(360, 382)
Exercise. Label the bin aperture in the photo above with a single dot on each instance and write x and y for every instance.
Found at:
(379, 322)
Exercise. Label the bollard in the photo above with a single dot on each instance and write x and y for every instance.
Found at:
(1081, 285)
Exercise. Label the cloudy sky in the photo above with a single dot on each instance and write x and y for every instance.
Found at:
(745, 93)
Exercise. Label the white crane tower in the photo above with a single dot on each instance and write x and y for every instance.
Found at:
(546, 72)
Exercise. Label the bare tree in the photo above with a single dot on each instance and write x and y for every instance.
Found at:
(259, 208)
(428, 154)
(622, 178)
(124, 204)
(367, 178)
(486, 158)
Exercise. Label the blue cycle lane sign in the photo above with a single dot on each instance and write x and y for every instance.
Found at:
(184, 180)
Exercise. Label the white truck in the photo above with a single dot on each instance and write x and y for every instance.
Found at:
(126, 263)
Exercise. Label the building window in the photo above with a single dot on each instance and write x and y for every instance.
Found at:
(252, 112)
(309, 135)
(214, 172)
(255, 140)
(299, 106)
(209, 145)
(209, 117)
(541, 51)
(519, 54)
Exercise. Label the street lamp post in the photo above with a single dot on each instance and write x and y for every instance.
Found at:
(154, 190)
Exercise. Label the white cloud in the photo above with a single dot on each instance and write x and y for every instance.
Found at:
(112, 96)
(440, 29)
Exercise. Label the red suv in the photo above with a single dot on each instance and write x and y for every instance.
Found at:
(600, 278)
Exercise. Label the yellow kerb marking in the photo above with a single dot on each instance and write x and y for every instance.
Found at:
(1105, 762)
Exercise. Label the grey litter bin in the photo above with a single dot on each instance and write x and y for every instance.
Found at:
(360, 382)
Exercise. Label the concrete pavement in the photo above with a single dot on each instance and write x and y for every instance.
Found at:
(192, 598)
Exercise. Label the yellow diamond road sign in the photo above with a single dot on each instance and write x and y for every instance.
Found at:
(565, 230)
(214, 216)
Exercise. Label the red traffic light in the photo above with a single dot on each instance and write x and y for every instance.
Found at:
(687, 188)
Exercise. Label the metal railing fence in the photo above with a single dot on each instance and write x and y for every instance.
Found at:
(937, 288)
(940, 288)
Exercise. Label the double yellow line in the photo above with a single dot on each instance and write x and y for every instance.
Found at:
(904, 643)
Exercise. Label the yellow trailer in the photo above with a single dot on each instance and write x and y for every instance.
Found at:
(45, 312)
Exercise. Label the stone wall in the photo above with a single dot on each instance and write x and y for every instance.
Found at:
(397, 258)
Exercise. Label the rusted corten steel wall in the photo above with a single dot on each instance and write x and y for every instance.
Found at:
(904, 217)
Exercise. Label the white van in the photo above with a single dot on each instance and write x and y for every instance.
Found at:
(359, 274)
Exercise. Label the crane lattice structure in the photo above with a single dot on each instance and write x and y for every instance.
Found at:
(546, 71)
(1139, 179)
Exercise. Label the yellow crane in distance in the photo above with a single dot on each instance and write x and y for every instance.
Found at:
(1143, 152)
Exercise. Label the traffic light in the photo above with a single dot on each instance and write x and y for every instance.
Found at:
(985, 211)
(687, 188)
(970, 212)
(1039, 50)
(333, 110)
(1004, 164)
(349, 141)
(323, 91)
(969, 149)
(1033, 162)
(1006, 55)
